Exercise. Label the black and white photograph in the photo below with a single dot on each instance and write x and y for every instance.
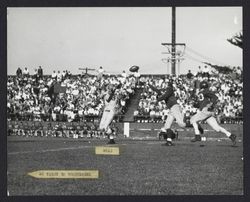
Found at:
(125, 101)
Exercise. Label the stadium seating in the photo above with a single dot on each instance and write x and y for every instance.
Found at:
(31, 101)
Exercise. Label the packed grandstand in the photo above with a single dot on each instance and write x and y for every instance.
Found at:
(63, 97)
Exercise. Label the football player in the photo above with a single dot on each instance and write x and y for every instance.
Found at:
(206, 104)
(110, 105)
(175, 111)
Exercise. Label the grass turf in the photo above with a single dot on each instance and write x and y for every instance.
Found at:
(142, 168)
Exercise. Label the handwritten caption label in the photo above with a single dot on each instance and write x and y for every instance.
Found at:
(66, 174)
(107, 151)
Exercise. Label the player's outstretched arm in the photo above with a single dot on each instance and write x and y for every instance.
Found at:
(169, 92)
(112, 93)
(154, 89)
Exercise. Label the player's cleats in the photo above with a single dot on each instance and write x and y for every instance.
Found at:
(197, 138)
(233, 138)
(200, 129)
(168, 143)
(111, 141)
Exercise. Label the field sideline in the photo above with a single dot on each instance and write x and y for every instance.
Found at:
(144, 167)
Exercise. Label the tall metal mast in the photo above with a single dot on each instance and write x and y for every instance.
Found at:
(175, 56)
(173, 53)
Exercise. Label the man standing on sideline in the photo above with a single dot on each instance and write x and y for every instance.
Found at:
(189, 74)
(19, 72)
(40, 72)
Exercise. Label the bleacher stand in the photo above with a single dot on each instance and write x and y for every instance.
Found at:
(35, 109)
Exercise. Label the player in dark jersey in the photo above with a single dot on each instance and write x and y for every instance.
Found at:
(175, 111)
(206, 112)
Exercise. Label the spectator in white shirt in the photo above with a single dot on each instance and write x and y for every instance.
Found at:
(26, 72)
(100, 73)
(54, 75)
(59, 76)
(124, 74)
(206, 72)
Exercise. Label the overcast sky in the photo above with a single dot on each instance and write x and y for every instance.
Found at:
(117, 38)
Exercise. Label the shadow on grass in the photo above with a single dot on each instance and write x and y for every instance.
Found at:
(224, 145)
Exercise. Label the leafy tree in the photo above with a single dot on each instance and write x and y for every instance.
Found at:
(237, 40)
(220, 69)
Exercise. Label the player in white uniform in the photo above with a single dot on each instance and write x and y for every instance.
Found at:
(110, 106)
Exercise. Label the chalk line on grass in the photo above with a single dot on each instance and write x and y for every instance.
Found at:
(50, 150)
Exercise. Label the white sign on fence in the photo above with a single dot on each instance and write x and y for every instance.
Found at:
(126, 129)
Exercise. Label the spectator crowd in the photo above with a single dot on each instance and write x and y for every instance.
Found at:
(36, 98)
(229, 92)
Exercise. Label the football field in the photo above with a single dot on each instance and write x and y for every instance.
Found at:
(143, 167)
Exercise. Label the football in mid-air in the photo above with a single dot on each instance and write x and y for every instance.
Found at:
(134, 68)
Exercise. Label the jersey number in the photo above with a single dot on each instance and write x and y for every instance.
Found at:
(201, 97)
